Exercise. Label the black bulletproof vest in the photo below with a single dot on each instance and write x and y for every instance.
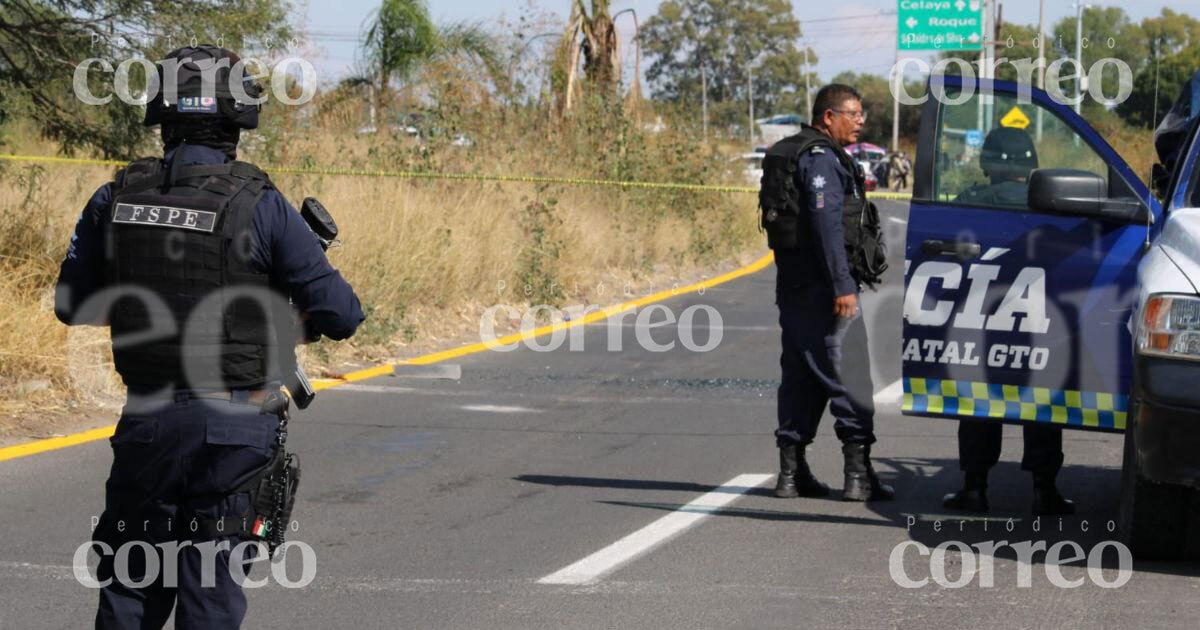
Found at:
(179, 249)
(784, 206)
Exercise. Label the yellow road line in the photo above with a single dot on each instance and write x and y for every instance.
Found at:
(41, 446)
(593, 316)
(484, 177)
(55, 443)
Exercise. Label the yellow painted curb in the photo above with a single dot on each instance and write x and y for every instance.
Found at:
(41, 446)
(50, 444)
(590, 317)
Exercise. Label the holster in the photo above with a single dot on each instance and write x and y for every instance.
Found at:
(272, 491)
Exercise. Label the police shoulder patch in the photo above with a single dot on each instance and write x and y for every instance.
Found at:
(817, 151)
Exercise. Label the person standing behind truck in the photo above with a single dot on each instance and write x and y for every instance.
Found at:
(899, 166)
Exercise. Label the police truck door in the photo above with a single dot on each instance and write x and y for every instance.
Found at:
(1010, 313)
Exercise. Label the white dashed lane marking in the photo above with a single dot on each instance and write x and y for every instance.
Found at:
(625, 550)
(500, 409)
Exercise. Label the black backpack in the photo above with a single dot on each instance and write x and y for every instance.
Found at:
(782, 205)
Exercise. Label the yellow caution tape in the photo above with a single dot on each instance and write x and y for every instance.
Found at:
(482, 177)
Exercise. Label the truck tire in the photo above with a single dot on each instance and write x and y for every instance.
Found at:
(1154, 517)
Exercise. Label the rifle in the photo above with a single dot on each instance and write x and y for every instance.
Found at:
(322, 224)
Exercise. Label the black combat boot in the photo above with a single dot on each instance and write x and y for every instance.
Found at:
(795, 478)
(972, 497)
(1046, 499)
(862, 484)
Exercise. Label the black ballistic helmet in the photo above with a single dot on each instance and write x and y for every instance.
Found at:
(202, 93)
(1008, 154)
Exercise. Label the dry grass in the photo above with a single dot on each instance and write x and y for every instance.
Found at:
(426, 257)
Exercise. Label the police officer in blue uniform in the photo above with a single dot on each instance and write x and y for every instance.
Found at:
(1007, 158)
(191, 259)
(817, 294)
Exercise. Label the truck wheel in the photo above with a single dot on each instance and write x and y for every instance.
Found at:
(1154, 517)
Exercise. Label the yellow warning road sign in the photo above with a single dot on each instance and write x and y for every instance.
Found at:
(1015, 118)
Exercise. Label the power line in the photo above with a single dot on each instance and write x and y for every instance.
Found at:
(849, 17)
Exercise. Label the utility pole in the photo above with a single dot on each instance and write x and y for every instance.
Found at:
(807, 85)
(704, 99)
(982, 115)
(1041, 66)
(1079, 6)
(896, 79)
(750, 91)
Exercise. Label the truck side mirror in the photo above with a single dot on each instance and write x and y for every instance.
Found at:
(1080, 193)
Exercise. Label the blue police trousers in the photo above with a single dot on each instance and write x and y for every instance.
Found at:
(175, 461)
(979, 443)
(825, 362)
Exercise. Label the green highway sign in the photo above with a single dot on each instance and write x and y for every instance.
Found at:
(940, 24)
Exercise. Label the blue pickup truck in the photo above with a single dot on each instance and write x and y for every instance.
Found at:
(1060, 289)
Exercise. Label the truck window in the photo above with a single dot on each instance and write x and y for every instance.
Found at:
(988, 146)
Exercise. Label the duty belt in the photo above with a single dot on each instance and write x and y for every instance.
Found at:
(248, 396)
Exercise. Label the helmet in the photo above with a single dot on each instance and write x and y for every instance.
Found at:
(1008, 154)
(200, 92)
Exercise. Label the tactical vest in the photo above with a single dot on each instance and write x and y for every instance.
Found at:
(783, 206)
(184, 238)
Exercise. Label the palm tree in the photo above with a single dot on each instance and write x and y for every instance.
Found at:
(589, 32)
(400, 37)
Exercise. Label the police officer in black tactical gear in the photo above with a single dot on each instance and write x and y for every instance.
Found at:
(191, 259)
(1007, 158)
(813, 202)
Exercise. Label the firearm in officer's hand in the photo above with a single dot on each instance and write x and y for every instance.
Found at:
(322, 224)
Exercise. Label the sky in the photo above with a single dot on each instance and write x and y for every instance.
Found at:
(858, 35)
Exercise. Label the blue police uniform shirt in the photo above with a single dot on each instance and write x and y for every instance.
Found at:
(823, 181)
(284, 247)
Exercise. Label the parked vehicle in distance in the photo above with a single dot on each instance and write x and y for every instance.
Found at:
(752, 165)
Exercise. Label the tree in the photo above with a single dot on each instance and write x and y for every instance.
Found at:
(43, 41)
(730, 40)
(1169, 33)
(1173, 42)
(877, 102)
(401, 37)
(1167, 79)
(590, 33)
(1108, 33)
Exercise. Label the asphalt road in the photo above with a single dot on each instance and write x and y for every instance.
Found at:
(611, 489)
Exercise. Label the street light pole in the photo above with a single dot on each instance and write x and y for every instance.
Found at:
(516, 58)
(704, 98)
(1079, 6)
(750, 91)
(896, 79)
(1041, 66)
(807, 84)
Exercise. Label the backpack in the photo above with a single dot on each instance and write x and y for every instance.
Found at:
(781, 207)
